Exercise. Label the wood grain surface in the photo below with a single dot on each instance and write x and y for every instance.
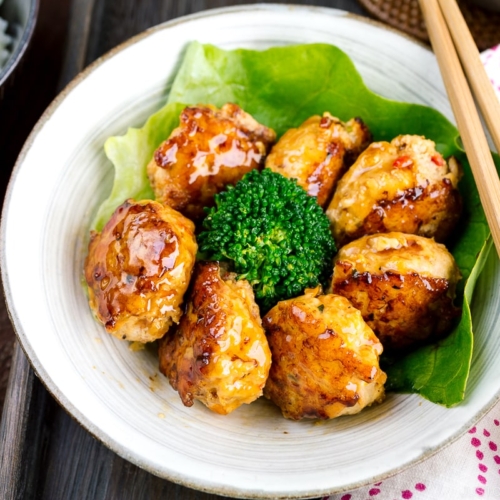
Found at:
(45, 454)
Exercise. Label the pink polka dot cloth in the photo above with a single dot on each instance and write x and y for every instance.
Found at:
(491, 62)
(468, 469)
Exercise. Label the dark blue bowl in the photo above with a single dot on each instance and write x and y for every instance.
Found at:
(21, 16)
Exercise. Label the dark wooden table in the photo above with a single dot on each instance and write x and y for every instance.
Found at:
(44, 453)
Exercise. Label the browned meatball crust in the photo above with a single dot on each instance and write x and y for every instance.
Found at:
(325, 359)
(403, 186)
(404, 286)
(138, 268)
(219, 353)
(210, 149)
(318, 152)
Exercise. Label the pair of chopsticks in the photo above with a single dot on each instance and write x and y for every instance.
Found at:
(456, 51)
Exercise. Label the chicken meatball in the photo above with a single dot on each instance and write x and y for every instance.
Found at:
(138, 269)
(219, 353)
(403, 284)
(325, 359)
(210, 149)
(403, 186)
(318, 152)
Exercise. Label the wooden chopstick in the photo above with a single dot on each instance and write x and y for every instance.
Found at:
(464, 108)
(471, 63)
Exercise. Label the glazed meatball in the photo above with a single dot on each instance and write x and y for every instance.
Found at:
(318, 152)
(210, 149)
(403, 186)
(138, 269)
(325, 358)
(403, 284)
(219, 353)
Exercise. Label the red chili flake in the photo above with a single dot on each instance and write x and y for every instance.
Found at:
(325, 122)
(438, 160)
(403, 162)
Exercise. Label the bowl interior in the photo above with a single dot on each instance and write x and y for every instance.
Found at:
(118, 394)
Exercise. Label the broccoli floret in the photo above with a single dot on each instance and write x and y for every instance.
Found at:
(275, 235)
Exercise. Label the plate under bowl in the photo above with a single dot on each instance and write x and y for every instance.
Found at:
(60, 179)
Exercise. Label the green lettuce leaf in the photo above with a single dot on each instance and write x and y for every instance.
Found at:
(281, 87)
(130, 154)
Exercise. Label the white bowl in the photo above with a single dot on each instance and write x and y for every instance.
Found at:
(61, 177)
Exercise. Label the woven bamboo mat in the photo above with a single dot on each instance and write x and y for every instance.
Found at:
(407, 16)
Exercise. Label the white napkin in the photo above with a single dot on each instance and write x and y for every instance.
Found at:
(491, 62)
(468, 469)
